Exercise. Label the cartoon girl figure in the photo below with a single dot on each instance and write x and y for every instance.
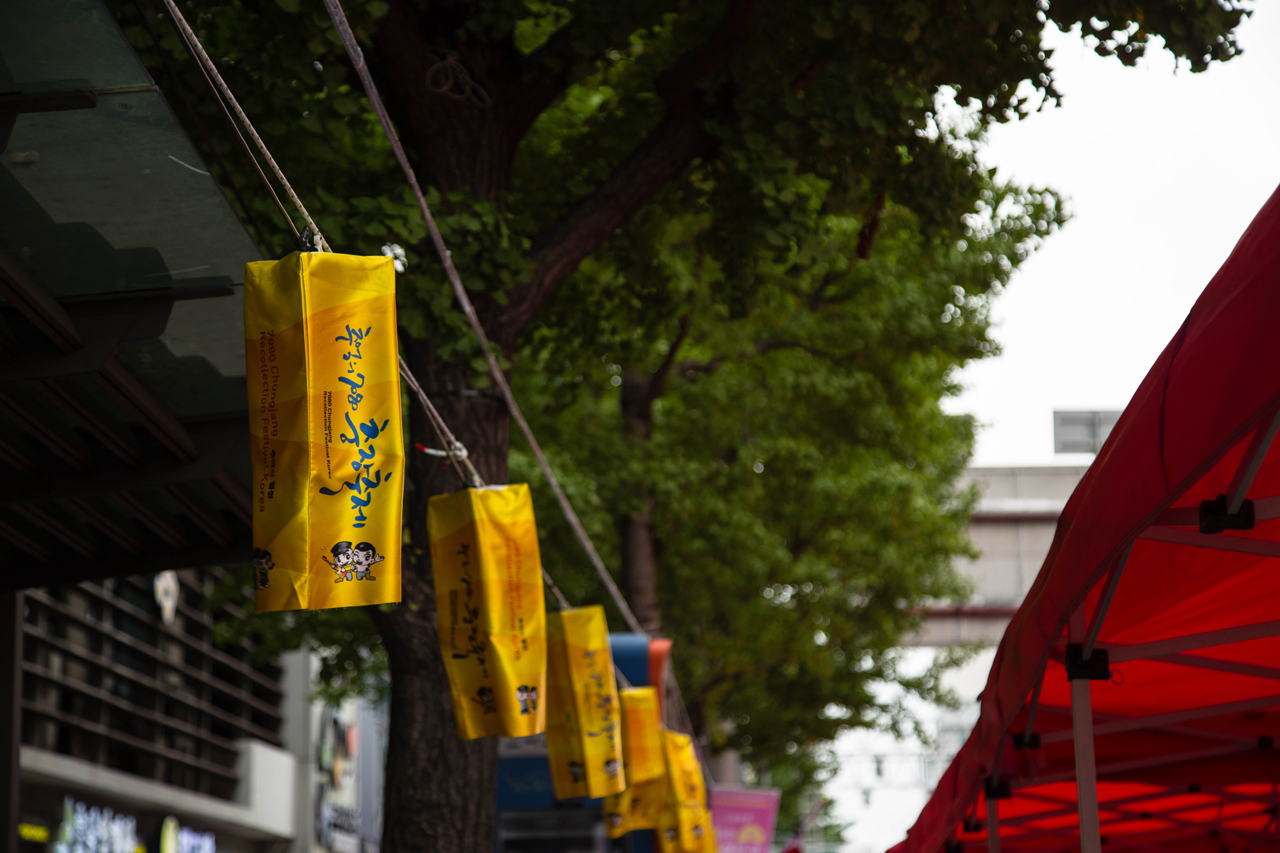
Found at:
(363, 558)
(528, 698)
(343, 557)
(262, 566)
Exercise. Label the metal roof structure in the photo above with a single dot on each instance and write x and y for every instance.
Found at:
(123, 417)
(1134, 701)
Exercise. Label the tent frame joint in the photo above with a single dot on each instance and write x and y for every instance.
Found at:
(996, 788)
(1095, 667)
(1216, 516)
(1026, 740)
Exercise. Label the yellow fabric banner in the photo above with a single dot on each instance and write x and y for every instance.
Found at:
(325, 430)
(645, 765)
(669, 827)
(584, 738)
(489, 609)
(688, 794)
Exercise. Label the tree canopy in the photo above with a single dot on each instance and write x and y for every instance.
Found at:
(733, 257)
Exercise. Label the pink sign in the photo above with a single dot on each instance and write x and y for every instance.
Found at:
(744, 818)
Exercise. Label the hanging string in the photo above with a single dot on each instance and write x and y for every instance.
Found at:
(450, 78)
(457, 453)
(193, 44)
(454, 449)
(460, 293)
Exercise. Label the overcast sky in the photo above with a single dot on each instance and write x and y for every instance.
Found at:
(1164, 170)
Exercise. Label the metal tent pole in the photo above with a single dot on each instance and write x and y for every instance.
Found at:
(993, 825)
(1082, 732)
(1086, 769)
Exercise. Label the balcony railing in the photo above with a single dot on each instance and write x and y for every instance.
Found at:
(106, 681)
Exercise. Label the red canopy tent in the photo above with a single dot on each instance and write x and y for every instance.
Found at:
(1161, 599)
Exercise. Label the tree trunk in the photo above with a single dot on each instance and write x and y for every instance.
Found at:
(639, 566)
(439, 791)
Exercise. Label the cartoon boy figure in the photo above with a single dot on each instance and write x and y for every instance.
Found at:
(484, 698)
(343, 557)
(262, 565)
(528, 698)
(363, 558)
(577, 771)
(611, 768)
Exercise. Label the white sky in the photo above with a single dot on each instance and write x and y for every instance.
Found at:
(1164, 171)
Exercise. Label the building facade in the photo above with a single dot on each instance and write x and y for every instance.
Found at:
(1012, 530)
(133, 715)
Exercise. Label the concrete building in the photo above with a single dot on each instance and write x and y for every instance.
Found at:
(1012, 529)
(134, 716)
(883, 782)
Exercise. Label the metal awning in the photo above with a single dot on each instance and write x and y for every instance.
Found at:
(1134, 701)
(123, 422)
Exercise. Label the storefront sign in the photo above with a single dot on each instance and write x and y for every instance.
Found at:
(744, 818)
(184, 839)
(86, 829)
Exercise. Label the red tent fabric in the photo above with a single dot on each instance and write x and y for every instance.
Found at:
(1186, 728)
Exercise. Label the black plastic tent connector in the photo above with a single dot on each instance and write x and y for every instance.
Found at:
(1215, 519)
(972, 824)
(1096, 668)
(1026, 740)
(997, 789)
(1266, 742)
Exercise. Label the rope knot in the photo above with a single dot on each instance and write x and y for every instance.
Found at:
(450, 78)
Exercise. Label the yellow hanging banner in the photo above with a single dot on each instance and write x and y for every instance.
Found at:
(687, 791)
(669, 827)
(489, 609)
(645, 765)
(325, 430)
(584, 742)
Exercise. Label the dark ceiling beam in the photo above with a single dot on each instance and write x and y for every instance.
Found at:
(37, 305)
(74, 570)
(133, 505)
(17, 458)
(101, 340)
(236, 498)
(102, 325)
(70, 537)
(114, 437)
(130, 393)
(202, 518)
(64, 446)
(8, 341)
(19, 538)
(106, 525)
(216, 442)
(53, 96)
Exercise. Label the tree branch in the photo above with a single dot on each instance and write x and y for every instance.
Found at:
(658, 160)
(658, 384)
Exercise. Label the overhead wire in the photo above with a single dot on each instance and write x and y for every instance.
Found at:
(193, 44)
(460, 293)
(453, 448)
